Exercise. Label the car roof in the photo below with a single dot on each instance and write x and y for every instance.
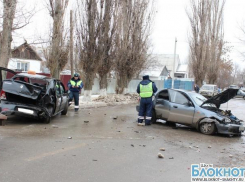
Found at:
(32, 76)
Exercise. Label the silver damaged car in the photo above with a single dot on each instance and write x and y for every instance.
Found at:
(193, 109)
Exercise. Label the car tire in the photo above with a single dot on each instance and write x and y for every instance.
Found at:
(153, 117)
(207, 128)
(48, 118)
(64, 112)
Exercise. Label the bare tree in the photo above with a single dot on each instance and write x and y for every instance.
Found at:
(88, 32)
(15, 16)
(58, 55)
(132, 43)
(109, 9)
(199, 16)
(9, 8)
(216, 34)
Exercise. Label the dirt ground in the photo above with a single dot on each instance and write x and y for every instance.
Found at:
(105, 144)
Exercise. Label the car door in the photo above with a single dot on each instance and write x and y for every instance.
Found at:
(64, 96)
(58, 96)
(5, 74)
(181, 111)
(162, 105)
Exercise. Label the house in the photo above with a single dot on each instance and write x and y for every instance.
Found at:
(25, 58)
(162, 66)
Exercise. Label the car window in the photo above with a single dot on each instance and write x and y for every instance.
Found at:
(163, 95)
(178, 97)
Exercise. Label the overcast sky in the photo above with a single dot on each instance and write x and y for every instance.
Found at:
(170, 21)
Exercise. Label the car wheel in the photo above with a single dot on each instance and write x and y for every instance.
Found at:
(207, 128)
(47, 119)
(64, 112)
(153, 118)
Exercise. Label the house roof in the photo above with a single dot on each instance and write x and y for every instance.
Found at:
(158, 63)
(25, 44)
(182, 68)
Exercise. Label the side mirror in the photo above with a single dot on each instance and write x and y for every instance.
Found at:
(189, 104)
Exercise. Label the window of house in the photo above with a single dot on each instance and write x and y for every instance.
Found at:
(23, 66)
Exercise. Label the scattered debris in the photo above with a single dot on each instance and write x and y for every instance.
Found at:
(132, 145)
(95, 160)
(190, 147)
(54, 126)
(144, 145)
(209, 147)
(118, 131)
(115, 117)
(230, 156)
(136, 131)
(171, 158)
(69, 137)
(141, 124)
(86, 121)
(160, 155)
(162, 149)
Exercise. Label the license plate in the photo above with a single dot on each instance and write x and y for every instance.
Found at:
(241, 128)
(27, 111)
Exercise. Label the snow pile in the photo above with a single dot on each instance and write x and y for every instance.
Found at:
(114, 98)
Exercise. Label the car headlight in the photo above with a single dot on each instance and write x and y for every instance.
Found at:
(227, 120)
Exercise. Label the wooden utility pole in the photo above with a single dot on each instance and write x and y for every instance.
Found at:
(71, 44)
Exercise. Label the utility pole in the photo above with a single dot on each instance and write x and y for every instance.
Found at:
(71, 43)
(175, 45)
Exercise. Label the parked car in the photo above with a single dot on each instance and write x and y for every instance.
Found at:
(234, 86)
(240, 94)
(33, 96)
(209, 90)
(194, 110)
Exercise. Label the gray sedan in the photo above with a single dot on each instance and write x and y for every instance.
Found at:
(192, 109)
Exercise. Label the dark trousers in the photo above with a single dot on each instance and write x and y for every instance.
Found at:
(145, 110)
(74, 95)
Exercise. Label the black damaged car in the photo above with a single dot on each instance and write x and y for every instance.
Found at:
(32, 95)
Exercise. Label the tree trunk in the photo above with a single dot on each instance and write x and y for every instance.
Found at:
(89, 81)
(122, 84)
(103, 85)
(6, 37)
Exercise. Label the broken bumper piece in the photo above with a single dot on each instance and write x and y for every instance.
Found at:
(230, 129)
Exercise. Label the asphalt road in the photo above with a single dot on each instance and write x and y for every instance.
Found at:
(111, 150)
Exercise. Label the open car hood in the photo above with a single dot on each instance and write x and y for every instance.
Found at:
(222, 98)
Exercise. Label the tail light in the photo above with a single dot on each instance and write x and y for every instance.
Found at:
(2, 95)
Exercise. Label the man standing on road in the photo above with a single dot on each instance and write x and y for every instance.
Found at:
(196, 88)
(75, 85)
(146, 89)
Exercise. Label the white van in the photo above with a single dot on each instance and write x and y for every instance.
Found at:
(209, 90)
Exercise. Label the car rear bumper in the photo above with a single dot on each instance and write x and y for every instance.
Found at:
(9, 108)
(229, 128)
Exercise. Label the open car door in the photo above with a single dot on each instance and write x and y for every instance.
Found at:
(5, 73)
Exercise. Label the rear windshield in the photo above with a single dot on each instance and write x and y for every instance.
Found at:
(206, 87)
(33, 81)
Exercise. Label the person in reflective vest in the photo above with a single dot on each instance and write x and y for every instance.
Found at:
(146, 90)
(75, 85)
